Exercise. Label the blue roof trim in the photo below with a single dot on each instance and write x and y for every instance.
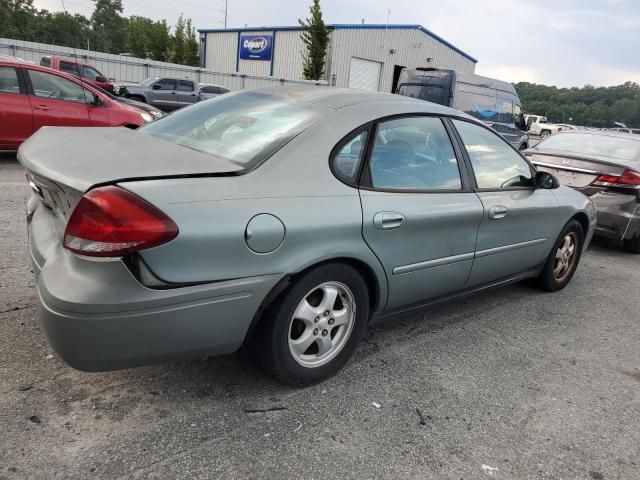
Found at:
(345, 26)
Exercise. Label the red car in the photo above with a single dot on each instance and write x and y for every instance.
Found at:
(32, 96)
(89, 73)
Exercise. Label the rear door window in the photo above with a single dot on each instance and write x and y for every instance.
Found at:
(9, 80)
(414, 153)
(68, 67)
(185, 86)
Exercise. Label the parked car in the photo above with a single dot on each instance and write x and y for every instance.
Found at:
(606, 167)
(217, 237)
(540, 126)
(210, 90)
(635, 131)
(32, 96)
(493, 101)
(163, 92)
(74, 67)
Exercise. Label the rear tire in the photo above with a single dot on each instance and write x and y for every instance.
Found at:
(563, 259)
(632, 245)
(545, 134)
(523, 147)
(315, 326)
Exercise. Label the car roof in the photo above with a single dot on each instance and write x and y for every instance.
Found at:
(337, 98)
(35, 66)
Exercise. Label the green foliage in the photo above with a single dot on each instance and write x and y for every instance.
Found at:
(184, 48)
(588, 106)
(106, 31)
(316, 39)
(148, 39)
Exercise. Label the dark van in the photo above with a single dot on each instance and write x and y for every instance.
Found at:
(493, 101)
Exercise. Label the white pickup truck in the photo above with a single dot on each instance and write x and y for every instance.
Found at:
(540, 127)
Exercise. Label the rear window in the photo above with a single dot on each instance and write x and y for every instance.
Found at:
(244, 127)
(592, 144)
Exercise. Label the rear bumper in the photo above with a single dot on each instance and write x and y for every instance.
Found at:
(97, 316)
(618, 215)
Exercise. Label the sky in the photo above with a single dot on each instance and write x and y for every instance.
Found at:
(568, 43)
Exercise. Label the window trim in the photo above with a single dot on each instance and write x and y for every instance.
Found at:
(469, 165)
(21, 83)
(365, 182)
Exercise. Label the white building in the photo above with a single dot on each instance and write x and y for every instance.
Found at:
(359, 56)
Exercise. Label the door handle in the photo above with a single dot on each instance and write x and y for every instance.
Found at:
(388, 220)
(497, 212)
(41, 107)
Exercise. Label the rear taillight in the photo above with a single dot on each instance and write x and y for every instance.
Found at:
(628, 179)
(111, 222)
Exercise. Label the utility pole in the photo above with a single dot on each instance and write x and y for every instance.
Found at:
(226, 8)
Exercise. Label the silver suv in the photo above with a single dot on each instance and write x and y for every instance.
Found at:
(165, 93)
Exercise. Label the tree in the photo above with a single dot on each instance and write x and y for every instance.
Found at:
(316, 39)
(17, 19)
(148, 39)
(109, 26)
(184, 45)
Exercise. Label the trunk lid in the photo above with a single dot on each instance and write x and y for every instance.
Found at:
(573, 171)
(63, 163)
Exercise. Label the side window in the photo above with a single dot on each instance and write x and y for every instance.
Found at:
(47, 85)
(68, 67)
(90, 72)
(9, 80)
(346, 161)
(166, 84)
(496, 165)
(185, 86)
(45, 62)
(480, 103)
(414, 154)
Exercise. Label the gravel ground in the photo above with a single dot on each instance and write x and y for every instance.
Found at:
(510, 384)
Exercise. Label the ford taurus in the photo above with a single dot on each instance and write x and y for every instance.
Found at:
(286, 220)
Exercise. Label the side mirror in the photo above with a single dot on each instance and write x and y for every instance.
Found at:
(546, 181)
(101, 79)
(156, 86)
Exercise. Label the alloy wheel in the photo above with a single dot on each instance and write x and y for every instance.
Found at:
(566, 256)
(322, 324)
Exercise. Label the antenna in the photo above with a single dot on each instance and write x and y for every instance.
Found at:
(75, 55)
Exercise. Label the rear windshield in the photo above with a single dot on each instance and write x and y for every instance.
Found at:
(593, 144)
(245, 128)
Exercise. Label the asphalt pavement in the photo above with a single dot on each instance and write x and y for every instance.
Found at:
(510, 384)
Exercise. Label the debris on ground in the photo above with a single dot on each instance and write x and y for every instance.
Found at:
(490, 471)
(275, 408)
(377, 405)
(35, 419)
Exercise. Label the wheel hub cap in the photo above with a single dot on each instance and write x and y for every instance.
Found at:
(565, 256)
(321, 324)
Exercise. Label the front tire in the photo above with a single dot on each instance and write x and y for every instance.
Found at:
(315, 326)
(563, 259)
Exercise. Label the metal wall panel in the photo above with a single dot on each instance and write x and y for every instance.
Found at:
(411, 48)
(288, 55)
(222, 51)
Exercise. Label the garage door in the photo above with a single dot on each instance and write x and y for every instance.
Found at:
(364, 74)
